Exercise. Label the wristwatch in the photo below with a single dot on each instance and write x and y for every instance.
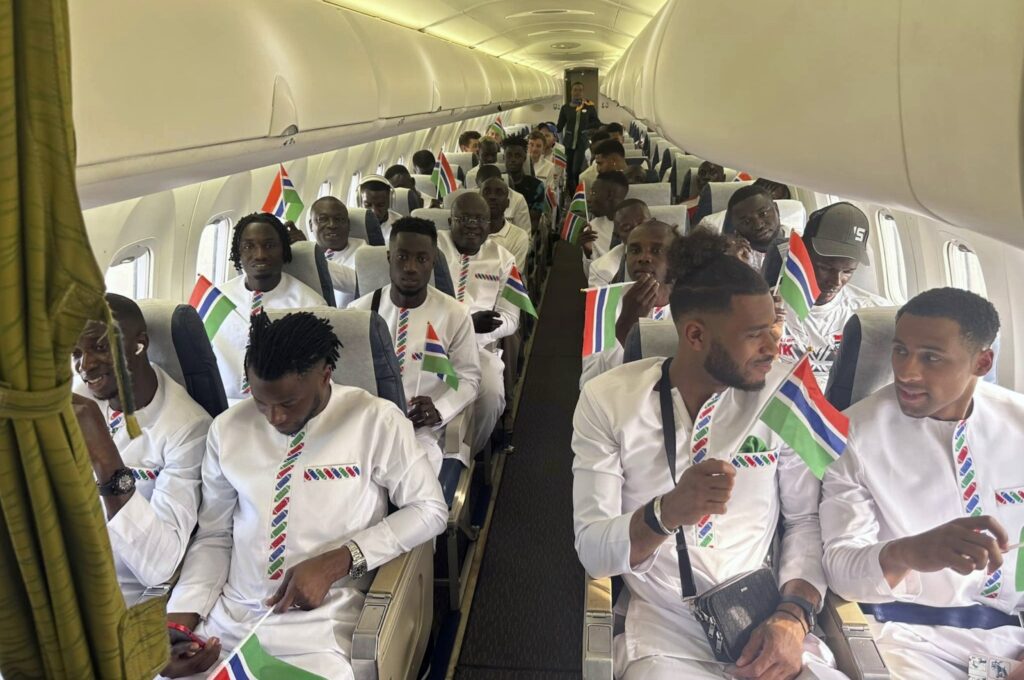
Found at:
(121, 483)
(358, 568)
(805, 606)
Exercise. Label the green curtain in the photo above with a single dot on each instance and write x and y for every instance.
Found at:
(63, 614)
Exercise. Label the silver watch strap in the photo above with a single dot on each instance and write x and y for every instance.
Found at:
(657, 516)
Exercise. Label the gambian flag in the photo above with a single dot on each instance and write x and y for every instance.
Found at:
(811, 426)
(497, 127)
(443, 176)
(250, 661)
(550, 202)
(435, 359)
(283, 200)
(602, 308)
(213, 306)
(558, 157)
(797, 285)
(576, 219)
(516, 293)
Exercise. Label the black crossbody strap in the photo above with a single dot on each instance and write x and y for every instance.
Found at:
(668, 428)
(375, 300)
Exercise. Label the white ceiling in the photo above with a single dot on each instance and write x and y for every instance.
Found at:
(549, 35)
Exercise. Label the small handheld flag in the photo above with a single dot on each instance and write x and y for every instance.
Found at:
(435, 359)
(443, 176)
(558, 157)
(250, 661)
(601, 312)
(800, 414)
(213, 306)
(498, 128)
(797, 285)
(550, 202)
(516, 293)
(283, 200)
(577, 218)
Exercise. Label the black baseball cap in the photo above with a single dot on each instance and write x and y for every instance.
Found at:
(839, 230)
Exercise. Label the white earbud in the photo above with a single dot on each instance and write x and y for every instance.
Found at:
(138, 348)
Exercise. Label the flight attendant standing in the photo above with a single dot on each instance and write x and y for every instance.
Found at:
(574, 119)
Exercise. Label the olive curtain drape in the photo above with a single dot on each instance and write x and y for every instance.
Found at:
(61, 612)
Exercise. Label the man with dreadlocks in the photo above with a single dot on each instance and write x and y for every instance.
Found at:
(630, 506)
(149, 485)
(259, 249)
(296, 484)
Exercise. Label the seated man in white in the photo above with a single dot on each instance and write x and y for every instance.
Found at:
(517, 212)
(480, 267)
(609, 156)
(647, 256)
(627, 505)
(918, 512)
(375, 196)
(149, 485)
(627, 216)
(329, 218)
(486, 154)
(550, 145)
(541, 167)
(259, 249)
(296, 484)
(836, 238)
(515, 240)
(407, 305)
(605, 194)
(753, 215)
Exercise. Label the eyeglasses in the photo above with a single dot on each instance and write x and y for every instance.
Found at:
(472, 221)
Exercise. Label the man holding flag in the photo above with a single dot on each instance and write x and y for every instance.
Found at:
(923, 516)
(422, 318)
(734, 482)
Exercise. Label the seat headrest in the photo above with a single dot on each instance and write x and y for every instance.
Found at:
(863, 363)
(364, 224)
(659, 193)
(310, 266)
(367, 358)
(404, 201)
(715, 197)
(460, 159)
(446, 203)
(650, 338)
(372, 271)
(178, 344)
(424, 185)
(671, 214)
(439, 216)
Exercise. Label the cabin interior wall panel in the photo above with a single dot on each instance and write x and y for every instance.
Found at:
(537, 112)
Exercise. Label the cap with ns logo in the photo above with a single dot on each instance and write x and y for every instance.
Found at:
(839, 230)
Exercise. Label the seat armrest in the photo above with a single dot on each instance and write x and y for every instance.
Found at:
(597, 629)
(458, 431)
(848, 635)
(394, 625)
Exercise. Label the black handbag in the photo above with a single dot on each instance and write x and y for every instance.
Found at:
(731, 610)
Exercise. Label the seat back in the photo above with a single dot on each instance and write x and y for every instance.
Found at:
(178, 344)
(439, 216)
(715, 197)
(424, 185)
(670, 214)
(450, 198)
(372, 271)
(683, 163)
(404, 201)
(460, 159)
(650, 338)
(364, 224)
(659, 193)
(310, 266)
(863, 363)
(367, 359)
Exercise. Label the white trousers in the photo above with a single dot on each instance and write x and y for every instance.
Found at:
(490, 400)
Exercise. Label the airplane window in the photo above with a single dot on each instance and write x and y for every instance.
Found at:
(894, 268)
(963, 268)
(401, 159)
(353, 190)
(131, 276)
(325, 189)
(214, 247)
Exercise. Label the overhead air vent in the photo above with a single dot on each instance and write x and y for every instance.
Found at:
(560, 30)
(565, 45)
(549, 12)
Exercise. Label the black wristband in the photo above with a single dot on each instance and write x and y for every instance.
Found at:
(652, 521)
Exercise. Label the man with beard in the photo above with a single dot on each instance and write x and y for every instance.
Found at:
(646, 258)
(628, 505)
(407, 305)
(609, 268)
(331, 225)
(836, 238)
(918, 512)
(296, 485)
(502, 231)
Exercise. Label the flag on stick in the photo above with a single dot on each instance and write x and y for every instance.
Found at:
(601, 312)
(435, 359)
(443, 176)
(801, 415)
(283, 200)
(558, 157)
(797, 285)
(250, 661)
(497, 127)
(577, 218)
(515, 292)
(213, 306)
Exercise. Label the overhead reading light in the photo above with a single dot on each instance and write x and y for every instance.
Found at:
(549, 12)
(565, 45)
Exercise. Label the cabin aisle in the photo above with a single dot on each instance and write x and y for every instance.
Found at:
(527, 614)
